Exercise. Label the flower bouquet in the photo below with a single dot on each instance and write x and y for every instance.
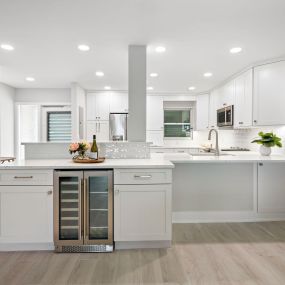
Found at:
(80, 148)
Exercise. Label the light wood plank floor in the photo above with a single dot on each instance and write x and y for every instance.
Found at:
(237, 253)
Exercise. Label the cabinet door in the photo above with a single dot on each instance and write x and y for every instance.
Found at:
(68, 218)
(98, 106)
(98, 128)
(154, 113)
(119, 102)
(271, 189)
(243, 100)
(202, 109)
(227, 95)
(213, 109)
(142, 212)
(269, 90)
(155, 137)
(98, 207)
(26, 214)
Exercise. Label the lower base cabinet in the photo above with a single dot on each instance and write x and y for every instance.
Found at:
(142, 212)
(271, 187)
(26, 214)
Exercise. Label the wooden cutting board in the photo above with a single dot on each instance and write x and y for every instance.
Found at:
(89, 160)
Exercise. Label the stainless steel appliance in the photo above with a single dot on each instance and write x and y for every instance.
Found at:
(225, 116)
(118, 126)
(83, 211)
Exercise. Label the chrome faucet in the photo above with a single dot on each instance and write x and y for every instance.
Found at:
(217, 152)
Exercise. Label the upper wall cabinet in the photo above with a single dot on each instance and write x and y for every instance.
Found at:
(269, 91)
(202, 111)
(154, 113)
(119, 102)
(98, 106)
(225, 95)
(243, 100)
(213, 106)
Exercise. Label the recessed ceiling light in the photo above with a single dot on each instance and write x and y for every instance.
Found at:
(208, 74)
(99, 73)
(160, 49)
(192, 88)
(30, 79)
(153, 74)
(7, 47)
(149, 88)
(235, 50)
(83, 47)
(107, 87)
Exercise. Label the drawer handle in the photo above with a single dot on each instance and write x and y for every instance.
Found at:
(181, 151)
(142, 176)
(23, 177)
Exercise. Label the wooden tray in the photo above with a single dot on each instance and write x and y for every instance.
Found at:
(89, 160)
(9, 159)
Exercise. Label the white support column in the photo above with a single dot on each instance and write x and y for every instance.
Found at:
(137, 93)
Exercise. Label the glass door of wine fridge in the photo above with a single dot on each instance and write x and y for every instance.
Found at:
(98, 207)
(68, 211)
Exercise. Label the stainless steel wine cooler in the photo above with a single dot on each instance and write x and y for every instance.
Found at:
(83, 211)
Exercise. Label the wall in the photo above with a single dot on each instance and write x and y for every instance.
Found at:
(78, 111)
(7, 97)
(43, 95)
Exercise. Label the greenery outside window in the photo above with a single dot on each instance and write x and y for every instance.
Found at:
(177, 123)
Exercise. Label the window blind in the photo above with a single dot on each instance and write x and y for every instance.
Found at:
(59, 126)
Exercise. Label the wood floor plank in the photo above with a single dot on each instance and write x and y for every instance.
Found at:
(202, 254)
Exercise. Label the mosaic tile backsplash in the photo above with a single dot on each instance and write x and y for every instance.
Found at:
(106, 149)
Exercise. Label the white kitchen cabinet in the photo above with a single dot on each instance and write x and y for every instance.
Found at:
(26, 214)
(119, 102)
(226, 95)
(202, 111)
(142, 212)
(271, 189)
(154, 113)
(213, 109)
(155, 137)
(243, 100)
(98, 128)
(98, 106)
(269, 90)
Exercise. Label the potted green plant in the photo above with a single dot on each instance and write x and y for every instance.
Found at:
(267, 140)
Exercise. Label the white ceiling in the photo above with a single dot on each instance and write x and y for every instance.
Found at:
(197, 34)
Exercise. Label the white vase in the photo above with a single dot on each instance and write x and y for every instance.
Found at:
(265, 150)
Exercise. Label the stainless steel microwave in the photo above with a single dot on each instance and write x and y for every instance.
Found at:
(225, 116)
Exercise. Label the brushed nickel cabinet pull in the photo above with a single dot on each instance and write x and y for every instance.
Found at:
(260, 164)
(49, 192)
(23, 177)
(143, 176)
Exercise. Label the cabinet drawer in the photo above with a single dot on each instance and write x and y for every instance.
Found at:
(26, 177)
(142, 176)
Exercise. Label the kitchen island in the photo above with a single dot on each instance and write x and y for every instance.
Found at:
(233, 187)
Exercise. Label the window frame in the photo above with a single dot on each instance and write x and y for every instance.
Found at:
(191, 117)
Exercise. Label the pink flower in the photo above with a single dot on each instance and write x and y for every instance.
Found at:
(73, 147)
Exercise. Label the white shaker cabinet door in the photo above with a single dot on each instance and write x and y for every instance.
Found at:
(154, 113)
(269, 90)
(213, 109)
(142, 212)
(98, 106)
(202, 108)
(243, 100)
(98, 128)
(271, 187)
(119, 102)
(26, 214)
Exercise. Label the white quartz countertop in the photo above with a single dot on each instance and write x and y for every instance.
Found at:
(157, 160)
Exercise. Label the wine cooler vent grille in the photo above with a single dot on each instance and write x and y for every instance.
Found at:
(87, 248)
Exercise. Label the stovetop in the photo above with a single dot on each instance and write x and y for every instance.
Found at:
(235, 148)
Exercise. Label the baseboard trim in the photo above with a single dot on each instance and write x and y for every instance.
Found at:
(13, 246)
(225, 217)
(119, 245)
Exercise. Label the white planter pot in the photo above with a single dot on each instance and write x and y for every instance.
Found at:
(265, 150)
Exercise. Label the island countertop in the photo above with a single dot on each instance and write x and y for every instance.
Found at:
(157, 160)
